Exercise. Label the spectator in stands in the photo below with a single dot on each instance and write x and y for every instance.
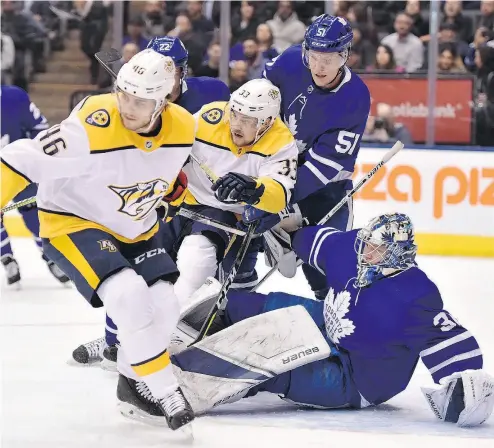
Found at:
(244, 23)
(129, 50)
(254, 58)
(362, 53)
(449, 33)
(482, 36)
(407, 47)
(200, 24)
(449, 61)
(211, 67)
(7, 58)
(420, 26)
(383, 129)
(94, 26)
(194, 42)
(135, 33)
(43, 14)
(487, 14)
(385, 61)
(484, 109)
(28, 36)
(264, 37)
(286, 27)
(157, 23)
(238, 75)
(105, 81)
(452, 14)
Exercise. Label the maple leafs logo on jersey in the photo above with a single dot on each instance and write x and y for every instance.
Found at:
(335, 310)
(140, 199)
(291, 123)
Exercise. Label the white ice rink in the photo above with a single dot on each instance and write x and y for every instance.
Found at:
(48, 404)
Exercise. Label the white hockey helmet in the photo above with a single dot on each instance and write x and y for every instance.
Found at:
(148, 75)
(257, 98)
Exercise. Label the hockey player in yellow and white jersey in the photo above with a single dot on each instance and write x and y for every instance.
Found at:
(101, 174)
(254, 155)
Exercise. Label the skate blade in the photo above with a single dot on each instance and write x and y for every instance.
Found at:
(72, 362)
(134, 413)
(109, 366)
(14, 286)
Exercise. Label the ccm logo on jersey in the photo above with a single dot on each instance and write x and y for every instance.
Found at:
(149, 254)
(100, 118)
(140, 199)
(301, 354)
(213, 116)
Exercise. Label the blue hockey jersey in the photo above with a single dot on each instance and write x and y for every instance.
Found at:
(327, 124)
(196, 92)
(384, 328)
(20, 117)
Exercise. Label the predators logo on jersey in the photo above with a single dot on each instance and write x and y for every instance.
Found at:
(213, 116)
(140, 199)
(100, 118)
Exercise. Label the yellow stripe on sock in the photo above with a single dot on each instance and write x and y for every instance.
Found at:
(153, 365)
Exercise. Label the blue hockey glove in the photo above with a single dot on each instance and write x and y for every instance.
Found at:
(291, 217)
(236, 187)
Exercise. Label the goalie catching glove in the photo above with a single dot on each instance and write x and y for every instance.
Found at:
(466, 398)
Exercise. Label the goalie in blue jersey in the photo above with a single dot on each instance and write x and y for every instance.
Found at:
(357, 348)
(326, 107)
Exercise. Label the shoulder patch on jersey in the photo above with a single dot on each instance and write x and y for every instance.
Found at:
(99, 118)
(213, 116)
(274, 93)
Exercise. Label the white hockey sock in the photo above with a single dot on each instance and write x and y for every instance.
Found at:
(196, 261)
(146, 318)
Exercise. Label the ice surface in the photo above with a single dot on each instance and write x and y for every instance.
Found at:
(48, 404)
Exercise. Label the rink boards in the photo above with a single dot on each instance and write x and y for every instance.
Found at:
(448, 193)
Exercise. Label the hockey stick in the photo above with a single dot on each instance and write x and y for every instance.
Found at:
(222, 300)
(107, 57)
(398, 146)
(19, 204)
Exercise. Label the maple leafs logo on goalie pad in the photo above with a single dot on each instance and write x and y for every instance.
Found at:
(140, 199)
(335, 310)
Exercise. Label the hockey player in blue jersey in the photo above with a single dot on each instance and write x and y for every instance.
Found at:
(359, 347)
(22, 119)
(191, 94)
(326, 106)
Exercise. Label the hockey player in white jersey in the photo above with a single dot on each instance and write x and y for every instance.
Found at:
(254, 156)
(101, 173)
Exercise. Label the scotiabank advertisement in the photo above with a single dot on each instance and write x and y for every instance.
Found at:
(448, 194)
(408, 98)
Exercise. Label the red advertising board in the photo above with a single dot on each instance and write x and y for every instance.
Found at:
(408, 98)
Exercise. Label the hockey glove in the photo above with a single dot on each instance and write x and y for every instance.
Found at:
(466, 398)
(236, 187)
(290, 219)
(177, 195)
(278, 251)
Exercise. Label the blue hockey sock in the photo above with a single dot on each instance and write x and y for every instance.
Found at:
(6, 248)
(111, 332)
(31, 220)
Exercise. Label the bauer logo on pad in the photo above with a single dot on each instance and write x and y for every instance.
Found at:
(100, 118)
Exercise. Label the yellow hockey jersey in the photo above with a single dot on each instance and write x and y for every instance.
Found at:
(94, 173)
(272, 160)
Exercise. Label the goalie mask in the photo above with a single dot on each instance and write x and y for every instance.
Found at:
(385, 246)
(253, 108)
(142, 87)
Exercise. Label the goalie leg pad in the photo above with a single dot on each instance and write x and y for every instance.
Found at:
(225, 366)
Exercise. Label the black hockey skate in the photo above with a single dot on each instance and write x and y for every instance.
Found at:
(177, 409)
(12, 271)
(137, 402)
(57, 272)
(109, 361)
(89, 353)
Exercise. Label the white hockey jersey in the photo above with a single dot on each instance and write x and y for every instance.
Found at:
(94, 173)
(272, 160)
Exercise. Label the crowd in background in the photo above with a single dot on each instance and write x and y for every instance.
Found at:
(389, 36)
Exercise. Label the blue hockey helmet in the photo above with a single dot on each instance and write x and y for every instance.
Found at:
(328, 34)
(384, 246)
(172, 47)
